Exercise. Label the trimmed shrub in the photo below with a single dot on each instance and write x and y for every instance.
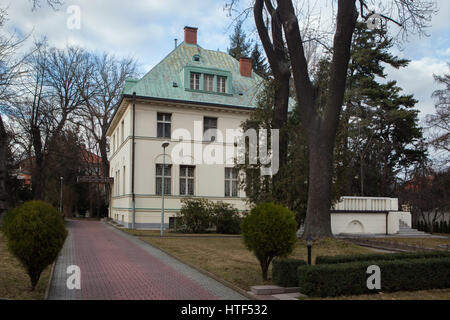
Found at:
(396, 275)
(195, 214)
(35, 231)
(379, 257)
(226, 218)
(284, 271)
(269, 231)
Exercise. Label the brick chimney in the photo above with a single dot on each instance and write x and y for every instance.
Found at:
(245, 66)
(190, 35)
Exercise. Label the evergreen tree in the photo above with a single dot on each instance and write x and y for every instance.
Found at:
(258, 61)
(381, 126)
(239, 45)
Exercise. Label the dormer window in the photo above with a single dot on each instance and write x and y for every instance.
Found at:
(196, 57)
(195, 81)
(208, 84)
(221, 84)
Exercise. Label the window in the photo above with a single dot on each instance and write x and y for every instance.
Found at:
(167, 178)
(187, 180)
(208, 82)
(195, 81)
(163, 125)
(113, 143)
(122, 131)
(209, 128)
(118, 182)
(221, 84)
(123, 181)
(231, 182)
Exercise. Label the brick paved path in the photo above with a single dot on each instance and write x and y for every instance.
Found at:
(115, 265)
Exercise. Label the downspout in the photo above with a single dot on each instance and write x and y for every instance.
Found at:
(387, 214)
(133, 198)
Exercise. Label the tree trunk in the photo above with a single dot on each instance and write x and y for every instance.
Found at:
(38, 165)
(318, 219)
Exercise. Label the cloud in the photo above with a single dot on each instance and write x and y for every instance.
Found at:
(417, 79)
(142, 29)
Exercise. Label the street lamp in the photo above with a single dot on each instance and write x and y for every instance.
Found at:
(309, 242)
(165, 144)
(61, 196)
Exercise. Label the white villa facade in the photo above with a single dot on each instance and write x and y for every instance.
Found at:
(194, 90)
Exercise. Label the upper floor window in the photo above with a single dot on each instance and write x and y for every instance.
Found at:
(209, 128)
(122, 131)
(208, 84)
(187, 180)
(195, 81)
(221, 84)
(163, 125)
(231, 182)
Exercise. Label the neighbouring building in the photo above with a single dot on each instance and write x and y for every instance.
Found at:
(203, 92)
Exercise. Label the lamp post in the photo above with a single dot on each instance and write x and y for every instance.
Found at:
(309, 242)
(164, 145)
(61, 196)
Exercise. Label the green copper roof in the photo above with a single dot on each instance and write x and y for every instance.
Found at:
(175, 67)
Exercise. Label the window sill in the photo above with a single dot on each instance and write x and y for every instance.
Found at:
(210, 92)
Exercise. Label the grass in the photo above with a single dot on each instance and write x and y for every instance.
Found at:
(157, 233)
(14, 281)
(230, 260)
(423, 242)
(434, 294)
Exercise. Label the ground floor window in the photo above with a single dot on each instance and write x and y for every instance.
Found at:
(167, 179)
(187, 180)
(231, 182)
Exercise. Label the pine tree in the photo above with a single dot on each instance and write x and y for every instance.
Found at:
(258, 61)
(239, 45)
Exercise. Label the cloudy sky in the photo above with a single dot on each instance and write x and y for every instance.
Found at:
(146, 29)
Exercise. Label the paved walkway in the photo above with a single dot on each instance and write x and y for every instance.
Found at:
(115, 265)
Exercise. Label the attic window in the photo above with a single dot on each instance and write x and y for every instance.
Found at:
(196, 57)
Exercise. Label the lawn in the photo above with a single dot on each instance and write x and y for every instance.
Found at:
(423, 242)
(14, 281)
(229, 259)
(435, 294)
(167, 233)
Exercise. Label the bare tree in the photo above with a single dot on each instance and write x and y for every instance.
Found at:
(101, 89)
(50, 95)
(440, 122)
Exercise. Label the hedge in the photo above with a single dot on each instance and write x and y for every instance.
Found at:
(374, 256)
(396, 275)
(284, 271)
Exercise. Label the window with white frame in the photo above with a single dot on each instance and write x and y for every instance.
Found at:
(231, 182)
(221, 84)
(167, 179)
(195, 81)
(187, 180)
(208, 82)
(163, 125)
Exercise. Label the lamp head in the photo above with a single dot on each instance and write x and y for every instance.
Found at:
(165, 144)
(309, 241)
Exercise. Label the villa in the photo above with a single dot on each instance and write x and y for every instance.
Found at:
(192, 96)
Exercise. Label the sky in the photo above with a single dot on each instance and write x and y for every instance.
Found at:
(146, 29)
